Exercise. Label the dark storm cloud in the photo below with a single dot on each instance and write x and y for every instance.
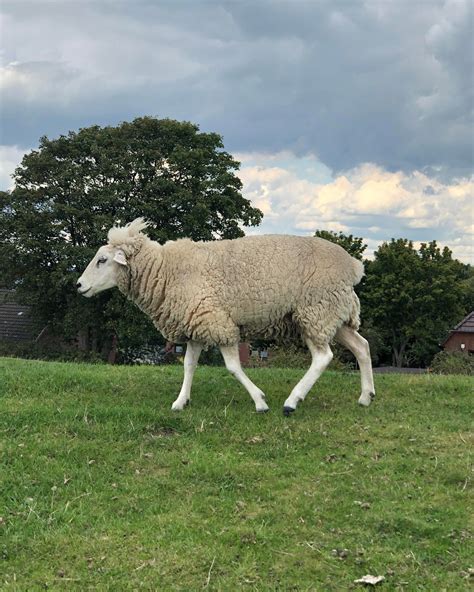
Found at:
(384, 82)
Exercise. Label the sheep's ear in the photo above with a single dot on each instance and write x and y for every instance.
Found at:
(119, 257)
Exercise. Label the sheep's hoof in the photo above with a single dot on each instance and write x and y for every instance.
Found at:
(287, 411)
(263, 410)
(366, 399)
(179, 406)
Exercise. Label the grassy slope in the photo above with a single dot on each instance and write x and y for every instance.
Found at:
(104, 487)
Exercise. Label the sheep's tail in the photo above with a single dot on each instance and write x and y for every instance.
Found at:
(358, 269)
(357, 275)
(354, 317)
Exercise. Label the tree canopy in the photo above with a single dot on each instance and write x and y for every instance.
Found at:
(70, 190)
(354, 245)
(414, 297)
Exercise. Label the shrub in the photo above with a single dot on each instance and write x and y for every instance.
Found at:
(446, 362)
(31, 350)
(149, 355)
(211, 357)
(292, 356)
(288, 356)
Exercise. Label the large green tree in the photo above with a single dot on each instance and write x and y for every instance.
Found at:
(70, 190)
(414, 297)
(354, 245)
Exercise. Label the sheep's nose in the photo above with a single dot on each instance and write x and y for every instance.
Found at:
(78, 285)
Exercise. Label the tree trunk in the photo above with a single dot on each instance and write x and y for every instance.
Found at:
(94, 340)
(83, 339)
(112, 356)
(398, 355)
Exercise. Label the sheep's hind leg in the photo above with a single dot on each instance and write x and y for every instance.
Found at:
(321, 358)
(193, 351)
(232, 362)
(359, 346)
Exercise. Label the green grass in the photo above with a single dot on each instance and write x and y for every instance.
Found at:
(103, 487)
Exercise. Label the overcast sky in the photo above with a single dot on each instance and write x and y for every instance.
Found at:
(353, 116)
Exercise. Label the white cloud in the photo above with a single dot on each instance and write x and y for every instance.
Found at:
(299, 196)
(10, 158)
(367, 201)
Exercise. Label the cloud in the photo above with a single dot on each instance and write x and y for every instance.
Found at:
(10, 158)
(366, 200)
(352, 116)
(299, 195)
(382, 82)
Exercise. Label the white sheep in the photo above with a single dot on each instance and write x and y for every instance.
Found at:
(216, 293)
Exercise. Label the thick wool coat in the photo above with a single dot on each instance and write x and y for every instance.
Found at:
(217, 293)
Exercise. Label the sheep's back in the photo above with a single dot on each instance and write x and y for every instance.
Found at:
(252, 275)
(261, 285)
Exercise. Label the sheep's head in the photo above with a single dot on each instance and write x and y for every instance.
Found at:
(110, 261)
(102, 272)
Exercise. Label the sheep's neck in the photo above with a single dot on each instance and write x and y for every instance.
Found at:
(146, 282)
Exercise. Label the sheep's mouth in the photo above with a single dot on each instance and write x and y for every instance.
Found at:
(84, 291)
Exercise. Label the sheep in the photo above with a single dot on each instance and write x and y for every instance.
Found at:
(215, 293)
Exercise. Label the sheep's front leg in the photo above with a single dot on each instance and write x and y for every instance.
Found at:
(232, 362)
(193, 351)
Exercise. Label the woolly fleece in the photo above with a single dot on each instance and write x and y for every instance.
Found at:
(217, 293)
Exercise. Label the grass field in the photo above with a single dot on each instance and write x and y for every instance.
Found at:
(103, 487)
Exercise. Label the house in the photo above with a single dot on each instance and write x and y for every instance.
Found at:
(16, 323)
(244, 353)
(461, 338)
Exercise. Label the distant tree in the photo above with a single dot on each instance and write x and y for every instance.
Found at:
(413, 298)
(7, 248)
(467, 287)
(70, 190)
(354, 245)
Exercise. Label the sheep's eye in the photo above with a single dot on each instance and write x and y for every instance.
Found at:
(101, 260)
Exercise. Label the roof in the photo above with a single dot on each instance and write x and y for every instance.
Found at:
(16, 322)
(466, 325)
